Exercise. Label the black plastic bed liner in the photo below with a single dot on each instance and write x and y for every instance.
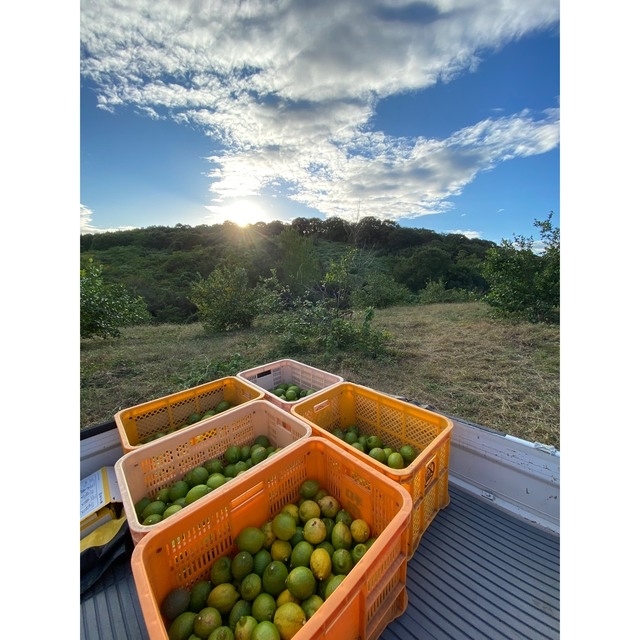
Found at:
(478, 572)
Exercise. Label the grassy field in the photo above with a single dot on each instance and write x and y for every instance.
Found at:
(455, 357)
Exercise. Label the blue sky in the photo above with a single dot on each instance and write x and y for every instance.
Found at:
(432, 116)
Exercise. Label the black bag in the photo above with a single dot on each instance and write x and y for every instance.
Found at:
(101, 548)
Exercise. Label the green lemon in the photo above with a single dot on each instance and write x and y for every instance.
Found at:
(170, 510)
(178, 490)
(175, 603)
(157, 507)
(196, 492)
(232, 454)
(250, 539)
(395, 461)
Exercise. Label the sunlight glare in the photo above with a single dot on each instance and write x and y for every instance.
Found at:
(243, 213)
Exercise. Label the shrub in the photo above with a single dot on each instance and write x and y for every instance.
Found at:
(224, 299)
(316, 327)
(105, 308)
(525, 284)
(380, 290)
(437, 292)
(272, 296)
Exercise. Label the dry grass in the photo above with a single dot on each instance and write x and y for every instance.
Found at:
(455, 357)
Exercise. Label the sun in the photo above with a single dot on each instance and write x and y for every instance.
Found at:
(243, 212)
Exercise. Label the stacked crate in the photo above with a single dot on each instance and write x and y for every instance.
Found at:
(400, 503)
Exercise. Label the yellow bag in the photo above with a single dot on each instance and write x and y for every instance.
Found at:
(101, 548)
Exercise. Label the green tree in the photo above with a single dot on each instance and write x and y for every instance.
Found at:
(525, 283)
(105, 308)
(224, 299)
(422, 265)
(315, 327)
(336, 229)
(343, 276)
(298, 265)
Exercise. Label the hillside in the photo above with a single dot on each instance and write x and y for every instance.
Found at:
(161, 263)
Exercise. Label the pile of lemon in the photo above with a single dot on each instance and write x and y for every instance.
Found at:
(289, 392)
(202, 480)
(279, 576)
(375, 448)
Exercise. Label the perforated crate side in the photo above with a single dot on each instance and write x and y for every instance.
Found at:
(170, 413)
(436, 497)
(268, 376)
(181, 552)
(396, 422)
(158, 465)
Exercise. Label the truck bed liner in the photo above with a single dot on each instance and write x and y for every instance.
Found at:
(479, 572)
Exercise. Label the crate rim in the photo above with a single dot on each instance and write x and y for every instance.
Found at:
(284, 361)
(178, 392)
(286, 404)
(221, 491)
(118, 417)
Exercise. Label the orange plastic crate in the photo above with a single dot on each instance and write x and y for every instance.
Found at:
(171, 412)
(159, 464)
(395, 422)
(182, 549)
(269, 376)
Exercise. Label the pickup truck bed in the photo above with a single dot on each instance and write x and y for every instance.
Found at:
(481, 570)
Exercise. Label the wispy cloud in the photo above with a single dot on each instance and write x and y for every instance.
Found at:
(86, 216)
(86, 219)
(472, 235)
(288, 89)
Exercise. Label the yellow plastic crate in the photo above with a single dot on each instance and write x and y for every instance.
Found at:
(181, 551)
(171, 412)
(395, 422)
(269, 376)
(161, 463)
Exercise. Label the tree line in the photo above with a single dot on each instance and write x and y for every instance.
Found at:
(161, 263)
(371, 263)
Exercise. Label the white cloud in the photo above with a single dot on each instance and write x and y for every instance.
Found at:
(289, 88)
(472, 235)
(86, 219)
(86, 216)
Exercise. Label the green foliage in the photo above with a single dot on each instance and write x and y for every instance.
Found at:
(105, 308)
(161, 276)
(525, 284)
(272, 296)
(379, 290)
(421, 265)
(315, 327)
(162, 263)
(224, 299)
(342, 278)
(437, 292)
(304, 324)
(298, 265)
